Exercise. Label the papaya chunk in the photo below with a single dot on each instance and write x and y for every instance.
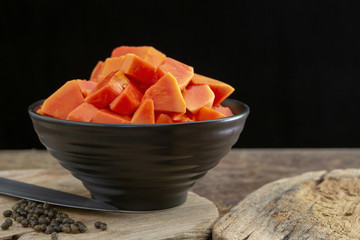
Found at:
(166, 95)
(39, 111)
(96, 71)
(224, 110)
(83, 113)
(206, 113)
(63, 101)
(86, 86)
(220, 89)
(128, 101)
(138, 69)
(198, 96)
(105, 91)
(182, 72)
(107, 116)
(145, 113)
(110, 65)
(182, 118)
(146, 53)
(163, 118)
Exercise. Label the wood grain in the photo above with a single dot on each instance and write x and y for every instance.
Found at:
(192, 220)
(314, 205)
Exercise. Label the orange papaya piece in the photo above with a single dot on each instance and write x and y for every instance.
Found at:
(106, 91)
(182, 118)
(96, 71)
(145, 113)
(206, 113)
(198, 96)
(83, 113)
(128, 101)
(107, 116)
(220, 89)
(166, 95)
(138, 69)
(224, 110)
(182, 72)
(110, 65)
(63, 101)
(146, 53)
(86, 86)
(39, 111)
(163, 118)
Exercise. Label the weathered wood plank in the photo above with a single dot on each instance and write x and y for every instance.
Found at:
(314, 205)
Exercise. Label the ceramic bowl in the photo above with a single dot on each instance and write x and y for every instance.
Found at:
(140, 167)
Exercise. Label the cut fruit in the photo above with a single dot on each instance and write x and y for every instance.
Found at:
(83, 113)
(166, 95)
(224, 110)
(96, 71)
(39, 111)
(105, 91)
(163, 118)
(138, 69)
(182, 118)
(182, 72)
(107, 116)
(206, 113)
(145, 113)
(86, 86)
(220, 89)
(146, 53)
(198, 96)
(128, 101)
(63, 101)
(110, 65)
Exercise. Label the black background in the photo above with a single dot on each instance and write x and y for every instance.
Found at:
(295, 63)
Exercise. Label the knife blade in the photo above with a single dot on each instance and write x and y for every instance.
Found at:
(41, 194)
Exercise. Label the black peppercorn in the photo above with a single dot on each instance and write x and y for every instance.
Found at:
(7, 213)
(54, 236)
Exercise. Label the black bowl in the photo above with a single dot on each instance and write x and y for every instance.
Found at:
(143, 166)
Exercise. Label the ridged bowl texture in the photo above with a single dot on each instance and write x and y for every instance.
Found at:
(140, 167)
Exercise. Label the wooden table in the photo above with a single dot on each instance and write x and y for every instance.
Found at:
(239, 173)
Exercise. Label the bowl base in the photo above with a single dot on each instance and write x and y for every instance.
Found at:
(144, 203)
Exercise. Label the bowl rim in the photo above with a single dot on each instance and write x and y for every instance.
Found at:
(35, 105)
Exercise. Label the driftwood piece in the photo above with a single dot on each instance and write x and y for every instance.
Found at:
(314, 205)
(192, 220)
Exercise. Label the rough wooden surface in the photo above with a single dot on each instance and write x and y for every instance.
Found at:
(314, 205)
(192, 220)
(239, 173)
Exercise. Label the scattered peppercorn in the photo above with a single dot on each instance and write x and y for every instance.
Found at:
(49, 229)
(7, 213)
(66, 228)
(19, 219)
(42, 217)
(54, 236)
(103, 227)
(74, 228)
(100, 225)
(81, 226)
(25, 223)
(5, 226)
(97, 225)
(38, 228)
(9, 221)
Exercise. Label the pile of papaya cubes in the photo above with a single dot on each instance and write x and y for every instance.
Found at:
(139, 85)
